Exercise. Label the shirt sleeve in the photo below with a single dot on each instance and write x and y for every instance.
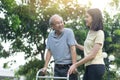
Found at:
(48, 42)
(100, 37)
(71, 38)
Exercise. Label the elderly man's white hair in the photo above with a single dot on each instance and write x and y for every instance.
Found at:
(52, 17)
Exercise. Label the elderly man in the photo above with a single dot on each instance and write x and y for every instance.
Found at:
(61, 45)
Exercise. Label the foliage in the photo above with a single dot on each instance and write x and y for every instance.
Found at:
(3, 52)
(112, 38)
(30, 69)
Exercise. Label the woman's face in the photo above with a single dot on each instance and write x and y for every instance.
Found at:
(88, 19)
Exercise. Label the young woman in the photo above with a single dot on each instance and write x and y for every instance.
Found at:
(92, 48)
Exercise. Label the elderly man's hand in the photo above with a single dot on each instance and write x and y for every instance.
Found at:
(44, 70)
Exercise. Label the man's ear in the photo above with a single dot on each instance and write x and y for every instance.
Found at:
(52, 28)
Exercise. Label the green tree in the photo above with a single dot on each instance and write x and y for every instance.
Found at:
(112, 37)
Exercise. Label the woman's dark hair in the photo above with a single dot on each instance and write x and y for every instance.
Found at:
(97, 20)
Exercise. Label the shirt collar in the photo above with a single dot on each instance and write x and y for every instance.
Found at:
(55, 36)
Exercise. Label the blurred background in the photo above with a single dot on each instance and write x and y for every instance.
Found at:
(24, 28)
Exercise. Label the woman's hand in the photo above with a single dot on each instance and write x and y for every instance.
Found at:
(72, 69)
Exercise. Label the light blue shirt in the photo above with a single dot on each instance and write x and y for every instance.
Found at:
(60, 46)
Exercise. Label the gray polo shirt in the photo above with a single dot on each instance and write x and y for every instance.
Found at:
(60, 46)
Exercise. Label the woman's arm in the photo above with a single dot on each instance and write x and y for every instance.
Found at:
(81, 47)
(90, 56)
(87, 58)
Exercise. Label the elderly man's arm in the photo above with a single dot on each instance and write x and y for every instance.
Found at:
(73, 54)
(47, 59)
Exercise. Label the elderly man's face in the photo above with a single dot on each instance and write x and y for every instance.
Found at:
(58, 24)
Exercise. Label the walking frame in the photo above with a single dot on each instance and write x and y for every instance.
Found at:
(49, 77)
